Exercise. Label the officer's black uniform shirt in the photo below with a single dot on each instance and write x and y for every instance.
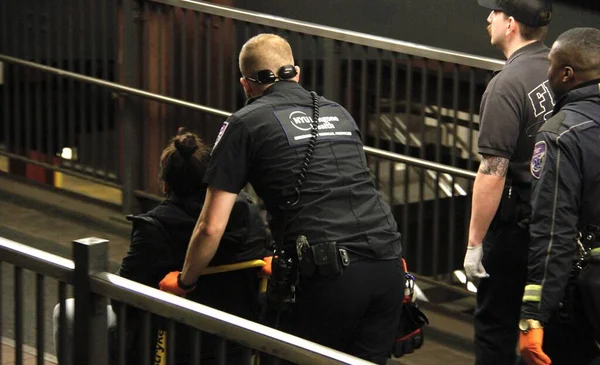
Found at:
(514, 105)
(265, 142)
(565, 196)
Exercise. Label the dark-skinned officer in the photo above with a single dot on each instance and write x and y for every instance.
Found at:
(565, 203)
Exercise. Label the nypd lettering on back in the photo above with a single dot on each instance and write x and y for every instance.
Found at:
(297, 123)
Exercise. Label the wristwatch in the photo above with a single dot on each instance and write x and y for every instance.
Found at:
(527, 324)
(186, 287)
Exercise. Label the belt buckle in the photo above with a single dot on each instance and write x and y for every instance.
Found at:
(344, 256)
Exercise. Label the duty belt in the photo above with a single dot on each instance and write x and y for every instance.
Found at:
(349, 257)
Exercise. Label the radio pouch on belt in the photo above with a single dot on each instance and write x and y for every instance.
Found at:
(327, 260)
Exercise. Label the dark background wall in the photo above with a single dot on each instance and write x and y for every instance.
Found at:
(458, 25)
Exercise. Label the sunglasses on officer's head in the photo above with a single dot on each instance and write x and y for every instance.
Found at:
(265, 77)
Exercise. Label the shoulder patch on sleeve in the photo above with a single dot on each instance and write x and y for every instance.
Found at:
(553, 124)
(221, 133)
(538, 159)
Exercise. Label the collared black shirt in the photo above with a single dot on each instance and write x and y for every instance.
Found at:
(514, 105)
(265, 144)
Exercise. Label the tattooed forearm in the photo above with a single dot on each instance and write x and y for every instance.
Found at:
(494, 165)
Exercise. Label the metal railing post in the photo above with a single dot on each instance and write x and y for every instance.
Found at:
(90, 340)
(331, 70)
(130, 120)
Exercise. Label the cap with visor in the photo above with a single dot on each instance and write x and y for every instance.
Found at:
(535, 13)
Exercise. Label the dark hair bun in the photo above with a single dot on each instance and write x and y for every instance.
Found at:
(186, 145)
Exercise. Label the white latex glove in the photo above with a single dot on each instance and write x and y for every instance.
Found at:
(472, 264)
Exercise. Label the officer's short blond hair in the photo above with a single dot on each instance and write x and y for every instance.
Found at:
(265, 52)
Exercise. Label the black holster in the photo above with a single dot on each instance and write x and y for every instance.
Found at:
(281, 286)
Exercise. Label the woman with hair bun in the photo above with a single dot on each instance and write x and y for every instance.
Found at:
(183, 164)
(159, 240)
(160, 237)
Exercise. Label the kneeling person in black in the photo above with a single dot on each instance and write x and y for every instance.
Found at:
(336, 206)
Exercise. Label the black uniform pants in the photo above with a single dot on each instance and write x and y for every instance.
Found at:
(356, 312)
(499, 297)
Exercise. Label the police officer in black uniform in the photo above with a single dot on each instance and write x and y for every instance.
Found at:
(566, 202)
(515, 104)
(325, 208)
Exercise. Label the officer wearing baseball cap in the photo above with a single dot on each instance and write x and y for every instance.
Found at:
(534, 13)
(514, 105)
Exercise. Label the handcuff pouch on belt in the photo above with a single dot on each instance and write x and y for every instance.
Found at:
(324, 258)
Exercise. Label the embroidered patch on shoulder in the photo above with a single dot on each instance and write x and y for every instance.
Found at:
(221, 133)
(538, 159)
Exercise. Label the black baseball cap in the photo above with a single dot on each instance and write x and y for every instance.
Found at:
(535, 13)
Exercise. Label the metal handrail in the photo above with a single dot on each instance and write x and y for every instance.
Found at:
(413, 161)
(445, 186)
(112, 85)
(14, 156)
(36, 260)
(202, 317)
(214, 321)
(343, 35)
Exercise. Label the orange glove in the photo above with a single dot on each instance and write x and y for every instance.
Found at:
(170, 284)
(267, 270)
(530, 347)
